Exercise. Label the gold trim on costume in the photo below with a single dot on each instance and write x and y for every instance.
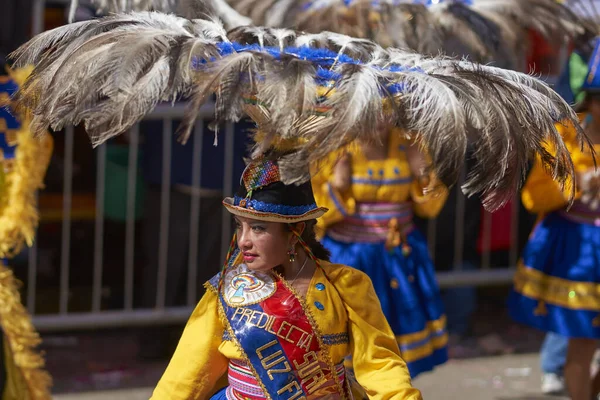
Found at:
(22, 338)
(325, 355)
(557, 291)
(435, 342)
(432, 326)
(426, 350)
(234, 339)
(21, 177)
(18, 207)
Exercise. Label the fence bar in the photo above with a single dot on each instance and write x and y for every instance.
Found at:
(37, 17)
(177, 111)
(111, 319)
(488, 277)
(120, 319)
(486, 240)
(459, 225)
(99, 228)
(165, 199)
(134, 139)
(514, 231)
(196, 200)
(227, 188)
(65, 258)
(431, 237)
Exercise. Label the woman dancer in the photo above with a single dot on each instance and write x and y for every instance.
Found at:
(312, 95)
(372, 190)
(280, 318)
(557, 279)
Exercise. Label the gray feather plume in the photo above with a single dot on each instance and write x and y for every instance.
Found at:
(316, 91)
(186, 8)
(486, 28)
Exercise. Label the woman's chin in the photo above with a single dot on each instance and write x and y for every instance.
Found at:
(258, 266)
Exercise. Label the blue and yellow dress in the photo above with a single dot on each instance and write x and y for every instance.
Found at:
(370, 227)
(240, 341)
(557, 284)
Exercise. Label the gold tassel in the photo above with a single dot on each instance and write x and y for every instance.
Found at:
(22, 177)
(540, 310)
(22, 337)
(18, 209)
(393, 239)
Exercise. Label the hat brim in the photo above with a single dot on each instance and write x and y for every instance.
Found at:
(228, 202)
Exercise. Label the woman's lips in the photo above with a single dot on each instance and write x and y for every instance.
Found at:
(249, 257)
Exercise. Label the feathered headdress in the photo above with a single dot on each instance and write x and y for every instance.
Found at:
(185, 8)
(484, 27)
(317, 91)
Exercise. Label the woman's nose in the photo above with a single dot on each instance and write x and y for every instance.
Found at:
(244, 239)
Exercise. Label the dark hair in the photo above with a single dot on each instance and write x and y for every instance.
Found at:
(310, 238)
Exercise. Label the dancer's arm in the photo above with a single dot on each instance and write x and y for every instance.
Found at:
(197, 363)
(378, 366)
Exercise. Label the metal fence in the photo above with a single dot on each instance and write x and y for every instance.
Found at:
(161, 314)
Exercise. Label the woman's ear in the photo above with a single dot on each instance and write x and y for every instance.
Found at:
(299, 229)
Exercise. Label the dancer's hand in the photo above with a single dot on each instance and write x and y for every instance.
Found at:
(589, 184)
(342, 173)
(417, 164)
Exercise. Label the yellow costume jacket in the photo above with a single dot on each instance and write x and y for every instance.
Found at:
(373, 181)
(541, 194)
(349, 320)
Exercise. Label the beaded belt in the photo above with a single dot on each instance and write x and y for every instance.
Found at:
(582, 214)
(244, 386)
(374, 223)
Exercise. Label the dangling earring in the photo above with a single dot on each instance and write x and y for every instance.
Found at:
(292, 254)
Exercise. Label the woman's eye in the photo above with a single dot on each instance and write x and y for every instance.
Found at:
(238, 227)
(258, 228)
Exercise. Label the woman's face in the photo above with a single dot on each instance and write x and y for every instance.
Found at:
(264, 245)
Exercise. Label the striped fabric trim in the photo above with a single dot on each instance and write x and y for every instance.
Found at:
(371, 222)
(582, 214)
(243, 385)
(418, 345)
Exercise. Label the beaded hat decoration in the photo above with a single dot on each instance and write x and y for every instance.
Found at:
(257, 175)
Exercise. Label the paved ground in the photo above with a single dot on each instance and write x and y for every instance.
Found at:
(497, 361)
(513, 377)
